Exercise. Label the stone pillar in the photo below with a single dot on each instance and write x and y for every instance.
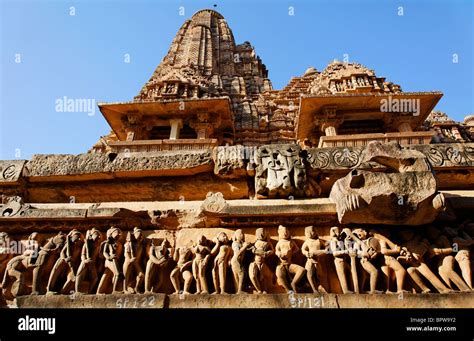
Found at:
(330, 130)
(203, 130)
(176, 125)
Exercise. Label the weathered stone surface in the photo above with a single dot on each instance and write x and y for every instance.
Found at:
(11, 170)
(441, 155)
(407, 195)
(392, 156)
(166, 188)
(232, 161)
(315, 301)
(139, 301)
(88, 164)
(296, 301)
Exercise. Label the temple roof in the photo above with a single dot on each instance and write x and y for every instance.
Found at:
(204, 62)
(344, 77)
(204, 57)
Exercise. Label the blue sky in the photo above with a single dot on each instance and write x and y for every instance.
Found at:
(82, 56)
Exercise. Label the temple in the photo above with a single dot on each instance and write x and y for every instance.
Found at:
(336, 191)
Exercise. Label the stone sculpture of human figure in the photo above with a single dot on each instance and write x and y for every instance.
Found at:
(463, 242)
(350, 242)
(111, 251)
(443, 251)
(417, 247)
(158, 259)
(47, 257)
(368, 253)
(223, 253)
(391, 265)
(18, 266)
(259, 273)
(338, 249)
(184, 258)
(313, 248)
(32, 248)
(135, 249)
(239, 246)
(202, 253)
(285, 249)
(90, 256)
(68, 263)
(5, 253)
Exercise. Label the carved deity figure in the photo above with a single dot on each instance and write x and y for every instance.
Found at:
(285, 249)
(281, 172)
(184, 258)
(337, 247)
(202, 253)
(443, 252)
(47, 258)
(417, 247)
(367, 247)
(32, 248)
(259, 273)
(111, 251)
(223, 252)
(5, 253)
(391, 265)
(19, 265)
(463, 241)
(158, 259)
(68, 263)
(135, 252)
(313, 249)
(239, 246)
(90, 255)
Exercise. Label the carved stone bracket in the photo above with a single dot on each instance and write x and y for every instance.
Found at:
(14, 207)
(214, 203)
(10, 171)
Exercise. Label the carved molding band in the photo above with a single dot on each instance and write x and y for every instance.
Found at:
(439, 155)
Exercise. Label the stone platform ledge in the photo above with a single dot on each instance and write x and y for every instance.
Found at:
(142, 301)
(304, 301)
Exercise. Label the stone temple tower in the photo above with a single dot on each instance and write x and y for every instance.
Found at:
(204, 61)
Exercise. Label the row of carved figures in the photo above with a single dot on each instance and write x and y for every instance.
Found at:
(93, 265)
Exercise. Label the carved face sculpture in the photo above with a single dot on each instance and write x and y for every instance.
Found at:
(59, 239)
(33, 236)
(360, 233)
(95, 235)
(75, 236)
(202, 240)
(260, 234)
(165, 243)
(114, 233)
(283, 232)
(222, 237)
(310, 232)
(334, 232)
(137, 233)
(238, 236)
